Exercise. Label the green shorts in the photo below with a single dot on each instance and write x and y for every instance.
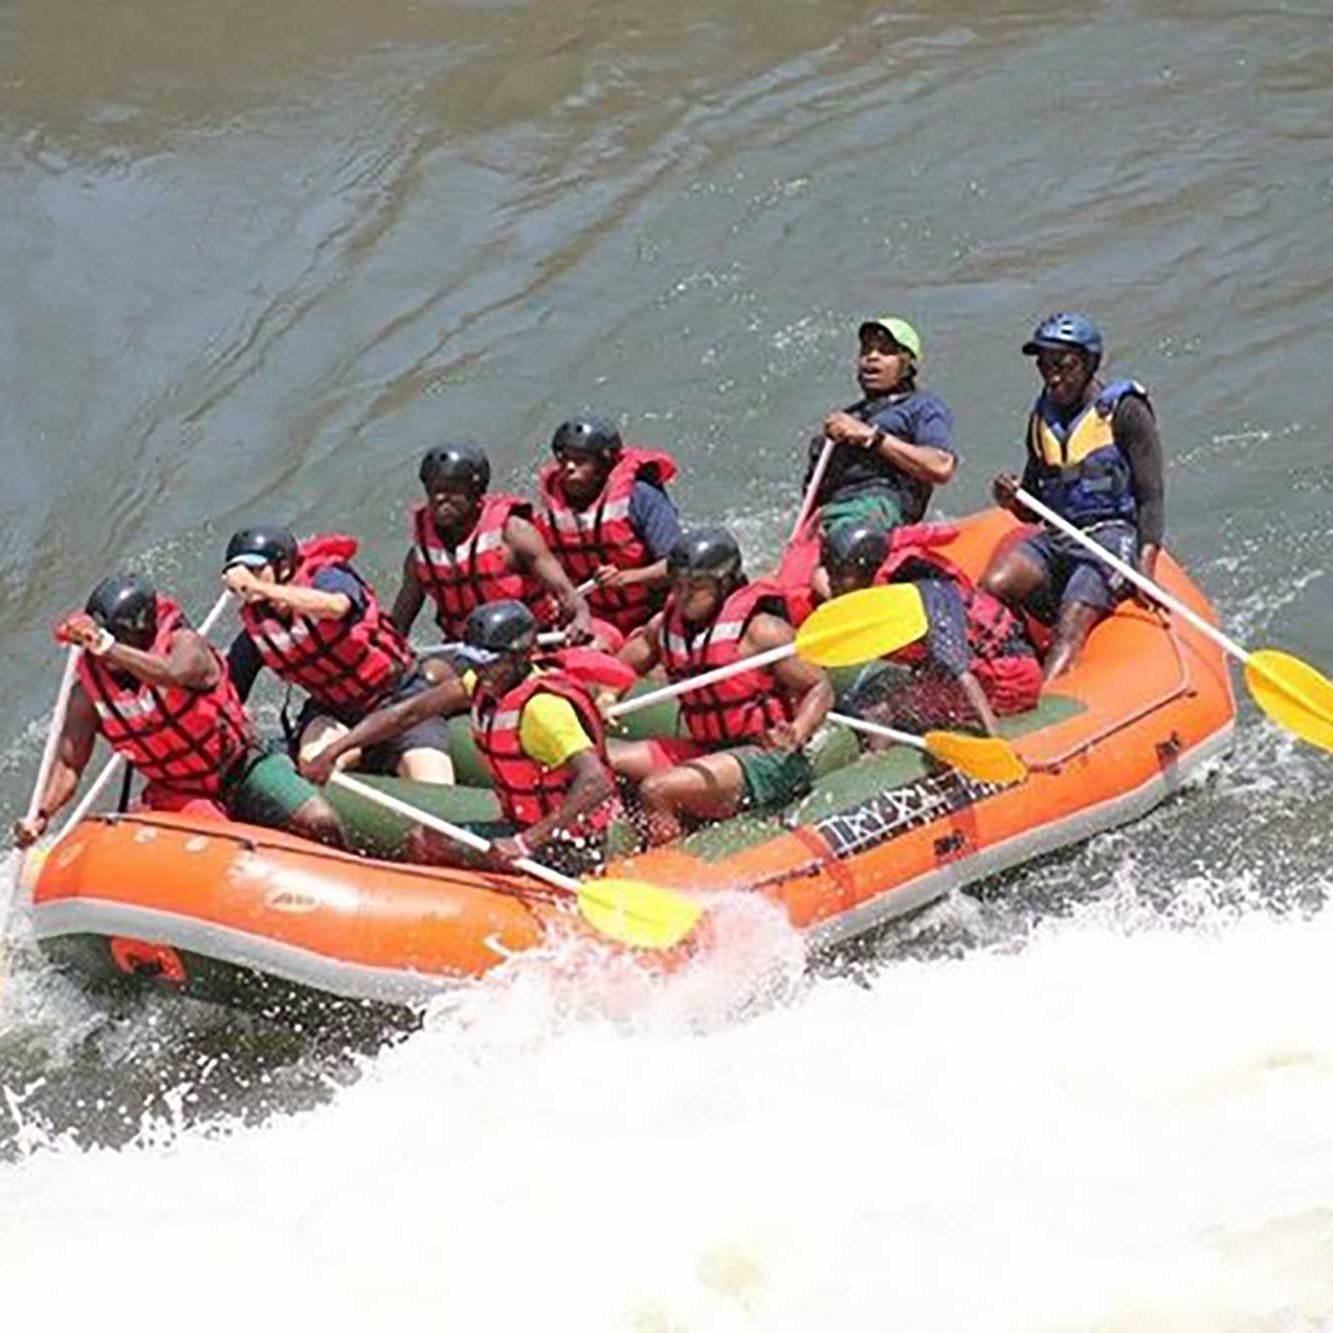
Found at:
(774, 777)
(882, 508)
(270, 792)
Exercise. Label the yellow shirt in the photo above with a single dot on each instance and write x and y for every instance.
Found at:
(549, 730)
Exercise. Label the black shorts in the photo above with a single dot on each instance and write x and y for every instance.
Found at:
(432, 734)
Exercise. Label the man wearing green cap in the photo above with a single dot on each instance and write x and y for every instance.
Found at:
(894, 446)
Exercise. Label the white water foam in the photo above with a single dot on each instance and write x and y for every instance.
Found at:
(1111, 1128)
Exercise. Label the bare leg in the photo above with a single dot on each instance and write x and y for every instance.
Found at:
(427, 764)
(706, 788)
(1013, 577)
(317, 821)
(1076, 622)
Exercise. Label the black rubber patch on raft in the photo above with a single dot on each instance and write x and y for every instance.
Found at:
(899, 810)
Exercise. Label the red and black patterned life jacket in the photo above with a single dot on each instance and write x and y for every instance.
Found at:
(528, 791)
(742, 707)
(185, 740)
(349, 666)
(463, 577)
(601, 534)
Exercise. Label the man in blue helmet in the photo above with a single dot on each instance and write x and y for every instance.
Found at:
(1095, 457)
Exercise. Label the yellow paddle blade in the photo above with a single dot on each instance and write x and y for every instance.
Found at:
(637, 913)
(860, 626)
(986, 758)
(1293, 694)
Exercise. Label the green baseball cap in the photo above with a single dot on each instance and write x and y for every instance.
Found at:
(899, 330)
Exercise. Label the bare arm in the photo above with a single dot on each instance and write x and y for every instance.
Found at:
(311, 602)
(411, 595)
(532, 554)
(976, 696)
(592, 785)
(73, 750)
(188, 665)
(807, 686)
(643, 649)
(921, 462)
(442, 700)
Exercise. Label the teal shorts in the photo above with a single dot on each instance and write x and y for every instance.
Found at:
(774, 777)
(881, 508)
(270, 792)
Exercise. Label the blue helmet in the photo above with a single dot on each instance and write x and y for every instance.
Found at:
(1066, 330)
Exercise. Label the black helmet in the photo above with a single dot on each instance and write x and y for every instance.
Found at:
(1066, 329)
(464, 464)
(266, 545)
(125, 604)
(706, 553)
(498, 628)
(860, 546)
(588, 435)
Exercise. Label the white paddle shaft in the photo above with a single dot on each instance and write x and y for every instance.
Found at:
(816, 480)
(451, 831)
(1142, 581)
(763, 659)
(878, 729)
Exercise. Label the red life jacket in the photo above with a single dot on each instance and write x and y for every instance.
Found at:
(743, 707)
(348, 666)
(527, 790)
(184, 740)
(995, 634)
(601, 534)
(461, 578)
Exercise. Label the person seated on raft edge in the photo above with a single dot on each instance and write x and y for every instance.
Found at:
(471, 546)
(310, 618)
(162, 697)
(605, 513)
(539, 734)
(746, 733)
(976, 659)
(1095, 457)
(894, 446)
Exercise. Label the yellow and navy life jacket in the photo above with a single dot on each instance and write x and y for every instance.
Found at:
(1082, 473)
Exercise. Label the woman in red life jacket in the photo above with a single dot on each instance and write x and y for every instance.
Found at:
(162, 698)
(975, 660)
(316, 623)
(539, 733)
(605, 513)
(746, 733)
(471, 546)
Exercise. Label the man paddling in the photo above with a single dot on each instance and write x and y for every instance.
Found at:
(746, 733)
(471, 545)
(975, 661)
(894, 446)
(311, 618)
(1095, 458)
(161, 696)
(538, 732)
(606, 515)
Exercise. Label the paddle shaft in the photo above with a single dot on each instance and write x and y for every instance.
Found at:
(763, 659)
(452, 831)
(816, 480)
(876, 729)
(546, 639)
(113, 765)
(1137, 579)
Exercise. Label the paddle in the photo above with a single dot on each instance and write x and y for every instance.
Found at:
(816, 480)
(115, 763)
(629, 911)
(546, 639)
(1290, 691)
(854, 628)
(986, 758)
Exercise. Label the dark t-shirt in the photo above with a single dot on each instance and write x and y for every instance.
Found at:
(243, 659)
(946, 625)
(916, 417)
(653, 515)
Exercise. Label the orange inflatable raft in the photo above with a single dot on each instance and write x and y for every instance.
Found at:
(245, 915)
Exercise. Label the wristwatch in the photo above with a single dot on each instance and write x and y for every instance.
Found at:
(878, 438)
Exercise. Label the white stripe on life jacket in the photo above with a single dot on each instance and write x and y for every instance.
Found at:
(724, 631)
(585, 520)
(141, 705)
(441, 557)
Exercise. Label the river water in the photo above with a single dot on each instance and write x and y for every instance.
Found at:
(258, 257)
